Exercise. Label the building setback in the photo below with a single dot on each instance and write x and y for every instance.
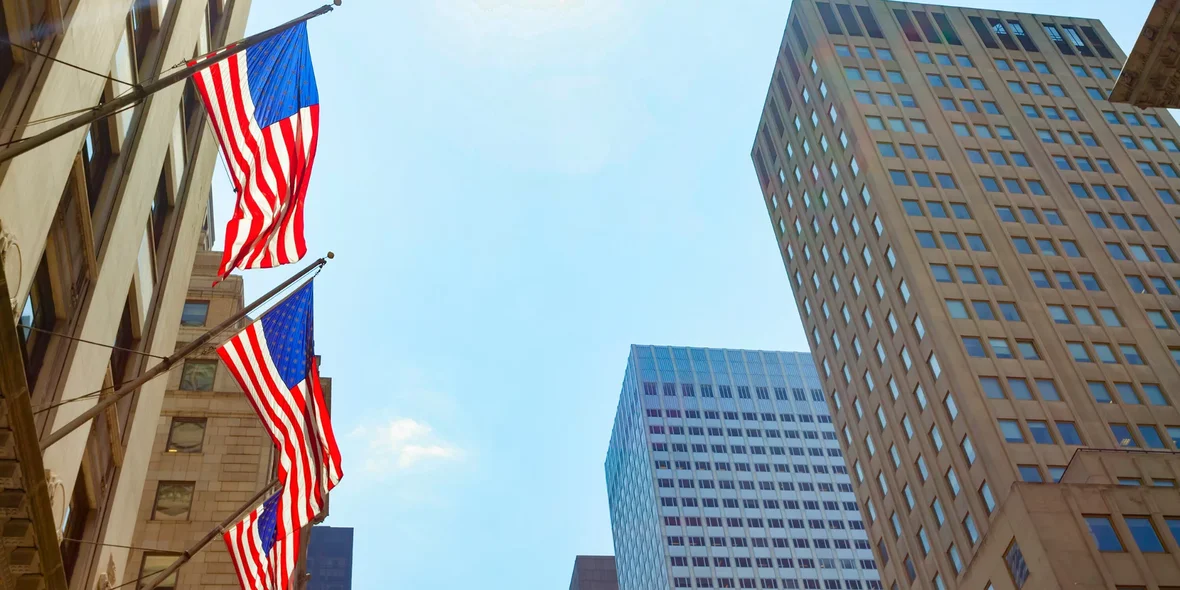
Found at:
(99, 230)
(983, 253)
(724, 471)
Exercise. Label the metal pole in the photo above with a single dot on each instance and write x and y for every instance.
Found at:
(179, 355)
(196, 547)
(140, 92)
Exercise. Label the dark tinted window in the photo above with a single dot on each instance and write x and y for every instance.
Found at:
(870, 21)
(1099, 46)
(907, 26)
(830, 23)
(849, 19)
(944, 25)
(985, 34)
(927, 27)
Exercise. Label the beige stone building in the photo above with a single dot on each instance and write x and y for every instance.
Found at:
(1151, 74)
(211, 453)
(98, 234)
(983, 250)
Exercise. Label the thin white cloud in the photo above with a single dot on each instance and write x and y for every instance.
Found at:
(404, 443)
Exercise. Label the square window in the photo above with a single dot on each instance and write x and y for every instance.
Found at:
(1069, 433)
(1144, 533)
(1039, 430)
(198, 375)
(1030, 473)
(186, 435)
(1122, 434)
(1103, 533)
(174, 500)
(154, 563)
(195, 313)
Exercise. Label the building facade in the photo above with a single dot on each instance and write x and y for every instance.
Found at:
(594, 572)
(1151, 74)
(98, 233)
(211, 453)
(329, 558)
(983, 253)
(724, 471)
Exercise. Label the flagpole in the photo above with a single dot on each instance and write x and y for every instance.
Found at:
(199, 545)
(179, 355)
(142, 91)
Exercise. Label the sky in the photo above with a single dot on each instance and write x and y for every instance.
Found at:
(516, 191)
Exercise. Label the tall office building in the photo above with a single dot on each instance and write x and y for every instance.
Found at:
(724, 471)
(98, 233)
(329, 558)
(983, 252)
(594, 572)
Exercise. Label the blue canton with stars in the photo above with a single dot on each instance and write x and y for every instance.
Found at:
(280, 76)
(288, 330)
(268, 523)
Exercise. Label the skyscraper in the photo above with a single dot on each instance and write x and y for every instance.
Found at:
(329, 558)
(594, 572)
(983, 252)
(724, 471)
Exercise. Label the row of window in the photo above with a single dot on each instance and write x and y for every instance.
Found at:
(1143, 530)
(758, 467)
(1147, 435)
(943, 59)
(729, 484)
(951, 241)
(752, 504)
(1001, 348)
(1064, 280)
(1040, 432)
(968, 105)
(1021, 65)
(1139, 286)
(1148, 143)
(982, 310)
(816, 395)
(727, 391)
(863, 52)
(1140, 252)
(922, 179)
(675, 429)
(1119, 221)
(873, 75)
(966, 274)
(774, 523)
(1083, 164)
(715, 521)
(935, 209)
(821, 486)
(788, 584)
(829, 563)
(1046, 247)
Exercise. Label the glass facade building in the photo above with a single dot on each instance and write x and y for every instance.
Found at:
(724, 471)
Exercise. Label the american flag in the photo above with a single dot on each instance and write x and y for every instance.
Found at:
(273, 360)
(264, 107)
(262, 559)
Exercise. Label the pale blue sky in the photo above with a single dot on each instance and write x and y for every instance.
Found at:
(516, 190)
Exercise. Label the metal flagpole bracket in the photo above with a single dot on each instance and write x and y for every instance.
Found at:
(140, 92)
